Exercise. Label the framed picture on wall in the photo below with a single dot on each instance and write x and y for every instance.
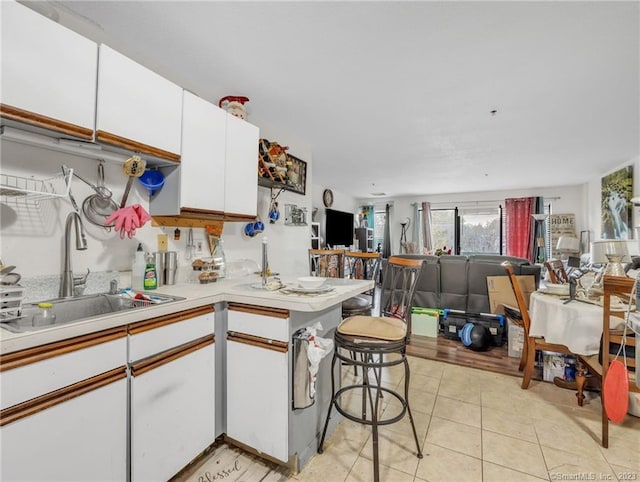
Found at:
(277, 168)
(616, 207)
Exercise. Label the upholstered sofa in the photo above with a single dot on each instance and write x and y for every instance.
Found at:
(460, 282)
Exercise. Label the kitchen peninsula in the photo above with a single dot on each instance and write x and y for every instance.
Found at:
(170, 378)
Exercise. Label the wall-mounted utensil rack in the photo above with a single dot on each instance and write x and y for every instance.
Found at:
(30, 188)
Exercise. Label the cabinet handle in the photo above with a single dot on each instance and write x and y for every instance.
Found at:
(48, 400)
(153, 323)
(259, 310)
(21, 115)
(115, 140)
(39, 353)
(165, 357)
(258, 341)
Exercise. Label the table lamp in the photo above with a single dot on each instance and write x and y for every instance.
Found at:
(612, 252)
(567, 245)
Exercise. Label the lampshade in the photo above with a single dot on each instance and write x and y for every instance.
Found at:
(568, 244)
(539, 217)
(600, 250)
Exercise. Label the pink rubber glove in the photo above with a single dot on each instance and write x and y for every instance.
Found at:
(142, 215)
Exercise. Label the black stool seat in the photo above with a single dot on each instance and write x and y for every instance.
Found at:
(358, 305)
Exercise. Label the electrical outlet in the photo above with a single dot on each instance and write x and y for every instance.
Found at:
(163, 242)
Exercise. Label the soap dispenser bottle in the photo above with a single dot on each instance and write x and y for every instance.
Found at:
(138, 268)
(150, 274)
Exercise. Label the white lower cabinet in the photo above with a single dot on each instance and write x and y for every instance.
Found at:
(65, 416)
(172, 393)
(81, 439)
(257, 380)
(172, 414)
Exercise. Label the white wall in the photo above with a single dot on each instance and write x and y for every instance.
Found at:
(566, 199)
(31, 235)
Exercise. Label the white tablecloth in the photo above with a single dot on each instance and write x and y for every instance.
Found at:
(576, 325)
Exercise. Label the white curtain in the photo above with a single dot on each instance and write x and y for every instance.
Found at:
(426, 226)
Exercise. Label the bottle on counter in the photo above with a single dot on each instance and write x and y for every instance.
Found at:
(45, 315)
(138, 269)
(150, 274)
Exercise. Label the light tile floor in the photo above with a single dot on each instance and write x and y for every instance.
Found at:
(476, 425)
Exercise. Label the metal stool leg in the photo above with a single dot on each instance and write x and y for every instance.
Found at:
(406, 399)
(333, 400)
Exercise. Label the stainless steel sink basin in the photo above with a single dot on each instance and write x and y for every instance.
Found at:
(81, 308)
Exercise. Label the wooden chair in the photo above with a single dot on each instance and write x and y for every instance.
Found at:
(531, 344)
(361, 266)
(555, 269)
(327, 263)
(611, 340)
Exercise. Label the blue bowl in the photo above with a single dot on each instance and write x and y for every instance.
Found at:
(152, 180)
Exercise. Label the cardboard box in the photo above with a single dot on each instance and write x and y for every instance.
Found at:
(501, 292)
(515, 338)
(424, 321)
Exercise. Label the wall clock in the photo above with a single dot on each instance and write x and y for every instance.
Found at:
(327, 198)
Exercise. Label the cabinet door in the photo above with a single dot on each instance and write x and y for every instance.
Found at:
(258, 397)
(172, 410)
(84, 438)
(48, 73)
(241, 173)
(203, 155)
(137, 108)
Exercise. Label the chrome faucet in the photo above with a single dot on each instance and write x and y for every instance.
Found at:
(69, 282)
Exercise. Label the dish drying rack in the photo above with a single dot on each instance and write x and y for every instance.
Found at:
(11, 302)
(36, 189)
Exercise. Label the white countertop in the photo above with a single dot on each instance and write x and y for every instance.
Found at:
(238, 290)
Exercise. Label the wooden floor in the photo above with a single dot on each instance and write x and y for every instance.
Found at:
(495, 359)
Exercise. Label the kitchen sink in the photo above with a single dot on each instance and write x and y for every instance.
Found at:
(82, 308)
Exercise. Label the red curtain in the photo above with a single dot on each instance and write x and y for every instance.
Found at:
(519, 227)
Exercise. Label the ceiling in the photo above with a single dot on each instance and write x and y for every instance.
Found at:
(404, 98)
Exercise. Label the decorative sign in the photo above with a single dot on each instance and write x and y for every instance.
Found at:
(561, 225)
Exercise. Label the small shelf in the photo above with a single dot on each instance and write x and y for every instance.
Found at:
(36, 189)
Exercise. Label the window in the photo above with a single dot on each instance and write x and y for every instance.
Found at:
(379, 218)
(475, 230)
(443, 222)
(480, 231)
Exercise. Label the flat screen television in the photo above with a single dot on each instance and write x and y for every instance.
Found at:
(338, 228)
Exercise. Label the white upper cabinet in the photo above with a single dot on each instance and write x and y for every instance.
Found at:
(217, 177)
(241, 173)
(203, 155)
(48, 74)
(137, 109)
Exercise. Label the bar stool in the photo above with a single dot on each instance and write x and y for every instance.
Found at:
(378, 342)
(361, 266)
(328, 263)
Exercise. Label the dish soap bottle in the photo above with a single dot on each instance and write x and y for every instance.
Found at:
(138, 269)
(150, 274)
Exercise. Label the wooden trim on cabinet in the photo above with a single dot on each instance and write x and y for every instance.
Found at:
(259, 310)
(159, 321)
(132, 145)
(275, 345)
(235, 217)
(190, 218)
(38, 353)
(39, 120)
(43, 402)
(165, 357)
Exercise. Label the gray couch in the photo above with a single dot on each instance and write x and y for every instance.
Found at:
(460, 282)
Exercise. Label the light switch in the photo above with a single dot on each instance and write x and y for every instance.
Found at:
(163, 242)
